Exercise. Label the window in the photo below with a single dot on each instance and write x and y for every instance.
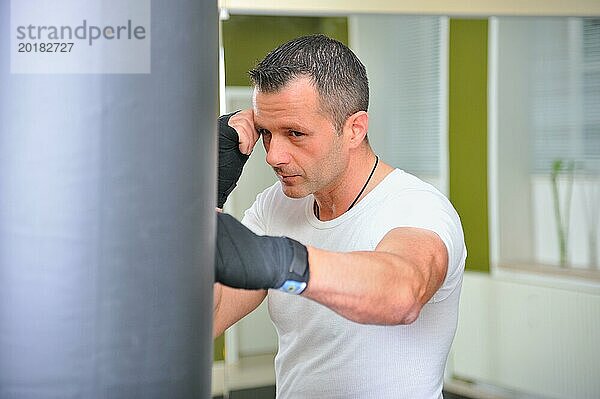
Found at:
(565, 81)
(591, 93)
(545, 141)
(406, 61)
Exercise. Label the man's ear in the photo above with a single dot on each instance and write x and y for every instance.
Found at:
(356, 128)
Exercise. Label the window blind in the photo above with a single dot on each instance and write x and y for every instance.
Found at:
(565, 92)
(403, 57)
(591, 93)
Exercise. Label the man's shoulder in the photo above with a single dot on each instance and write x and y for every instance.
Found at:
(401, 183)
(408, 200)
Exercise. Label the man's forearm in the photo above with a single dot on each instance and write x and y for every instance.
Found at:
(231, 305)
(386, 286)
(389, 285)
(366, 287)
(217, 293)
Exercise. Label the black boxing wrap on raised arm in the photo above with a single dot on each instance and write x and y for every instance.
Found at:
(231, 159)
(246, 260)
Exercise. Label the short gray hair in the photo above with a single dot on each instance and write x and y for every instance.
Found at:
(339, 76)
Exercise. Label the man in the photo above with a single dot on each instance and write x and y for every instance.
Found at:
(372, 258)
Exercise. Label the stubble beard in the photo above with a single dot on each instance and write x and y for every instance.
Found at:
(327, 171)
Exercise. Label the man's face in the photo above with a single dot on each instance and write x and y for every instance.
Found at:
(302, 145)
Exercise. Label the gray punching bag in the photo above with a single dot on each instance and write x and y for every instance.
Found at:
(107, 217)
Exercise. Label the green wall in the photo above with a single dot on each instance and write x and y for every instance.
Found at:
(219, 348)
(468, 135)
(247, 39)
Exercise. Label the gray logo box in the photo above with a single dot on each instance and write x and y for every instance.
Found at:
(75, 36)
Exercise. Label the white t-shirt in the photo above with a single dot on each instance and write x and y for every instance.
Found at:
(323, 355)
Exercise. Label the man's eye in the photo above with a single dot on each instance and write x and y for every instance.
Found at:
(296, 133)
(263, 132)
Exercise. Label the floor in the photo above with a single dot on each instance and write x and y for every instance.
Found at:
(269, 393)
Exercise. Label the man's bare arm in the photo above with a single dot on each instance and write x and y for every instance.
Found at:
(231, 305)
(387, 286)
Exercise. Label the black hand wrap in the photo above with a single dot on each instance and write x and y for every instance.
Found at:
(231, 160)
(246, 260)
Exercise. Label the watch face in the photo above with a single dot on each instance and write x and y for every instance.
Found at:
(293, 287)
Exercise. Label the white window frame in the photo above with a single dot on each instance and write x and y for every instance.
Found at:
(570, 279)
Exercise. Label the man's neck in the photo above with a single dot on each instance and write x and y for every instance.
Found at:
(337, 198)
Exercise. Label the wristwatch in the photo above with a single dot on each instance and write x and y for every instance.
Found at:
(293, 287)
(297, 277)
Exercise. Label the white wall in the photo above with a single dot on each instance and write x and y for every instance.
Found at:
(510, 191)
(538, 338)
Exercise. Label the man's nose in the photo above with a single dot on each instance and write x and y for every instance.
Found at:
(277, 151)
